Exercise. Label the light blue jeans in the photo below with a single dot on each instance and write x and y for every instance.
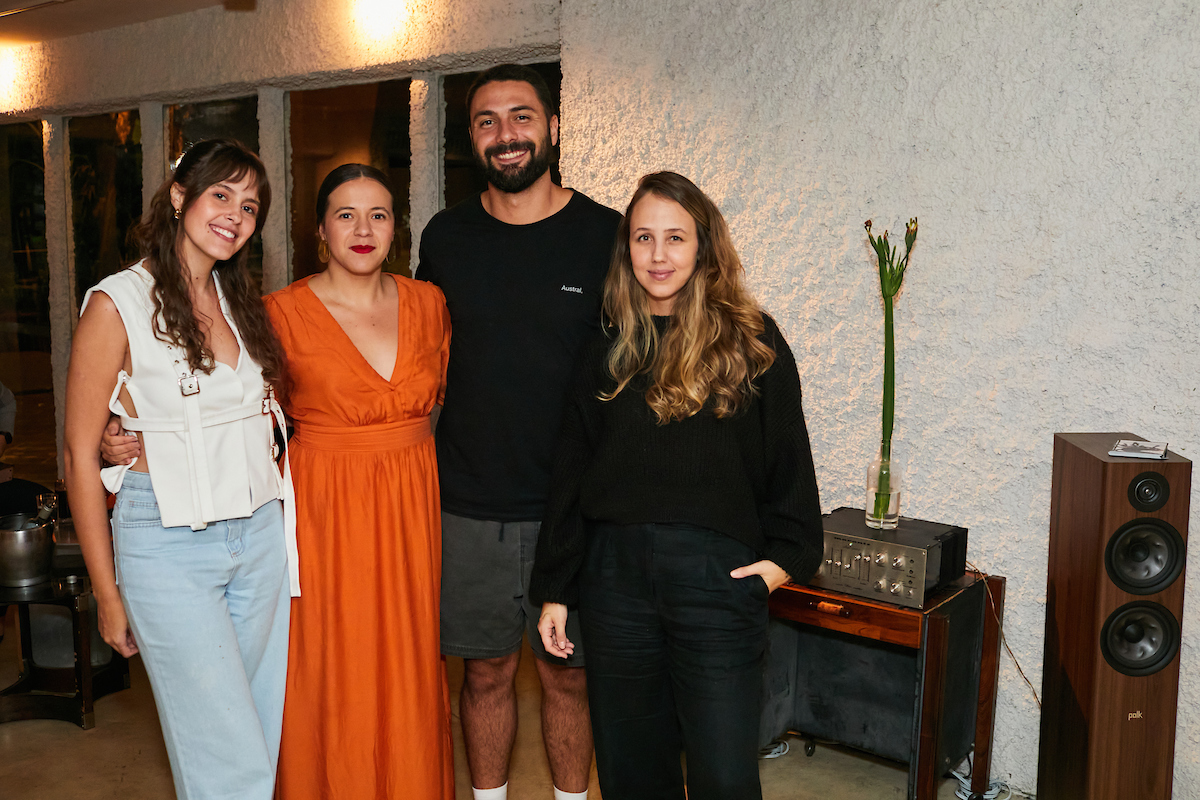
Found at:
(209, 611)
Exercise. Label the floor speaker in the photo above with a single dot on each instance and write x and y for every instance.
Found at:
(1114, 604)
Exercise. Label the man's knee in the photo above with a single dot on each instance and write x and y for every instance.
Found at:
(485, 675)
(562, 680)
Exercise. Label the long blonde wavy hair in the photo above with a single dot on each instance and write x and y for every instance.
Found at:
(710, 349)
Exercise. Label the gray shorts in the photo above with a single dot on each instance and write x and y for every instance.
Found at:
(486, 566)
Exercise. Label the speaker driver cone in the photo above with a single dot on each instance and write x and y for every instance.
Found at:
(1140, 638)
(1144, 556)
(1149, 492)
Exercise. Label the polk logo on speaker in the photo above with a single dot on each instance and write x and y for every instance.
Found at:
(1114, 600)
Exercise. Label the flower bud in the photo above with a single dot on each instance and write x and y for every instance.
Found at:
(910, 234)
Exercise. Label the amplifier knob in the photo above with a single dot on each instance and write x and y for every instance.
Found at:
(895, 588)
(898, 562)
(880, 585)
(881, 559)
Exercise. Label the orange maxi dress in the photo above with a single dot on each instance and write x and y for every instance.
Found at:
(367, 712)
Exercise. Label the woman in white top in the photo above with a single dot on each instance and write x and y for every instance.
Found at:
(179, 346)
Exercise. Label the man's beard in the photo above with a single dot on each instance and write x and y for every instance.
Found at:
(514, 179)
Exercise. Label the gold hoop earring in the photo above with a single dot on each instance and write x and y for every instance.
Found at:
(323, 251)
(391, 256)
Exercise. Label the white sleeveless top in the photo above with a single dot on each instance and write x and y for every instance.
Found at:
(207, 438)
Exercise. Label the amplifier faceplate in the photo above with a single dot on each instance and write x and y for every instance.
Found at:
(902, 566)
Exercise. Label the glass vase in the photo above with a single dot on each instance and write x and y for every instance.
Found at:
(883, 489)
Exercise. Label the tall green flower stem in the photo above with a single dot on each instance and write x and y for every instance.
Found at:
(891, 276)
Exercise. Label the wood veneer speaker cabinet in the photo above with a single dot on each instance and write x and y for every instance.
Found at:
(1114, 604)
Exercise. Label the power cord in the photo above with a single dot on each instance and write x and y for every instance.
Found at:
(1003, 638)
(964, 792)
(775, 749)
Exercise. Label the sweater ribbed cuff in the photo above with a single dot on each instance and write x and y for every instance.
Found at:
(798, 561)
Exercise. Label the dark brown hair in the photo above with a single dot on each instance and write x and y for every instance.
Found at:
(710, 350)
(515, 72)
(344, 174)
(158, 236)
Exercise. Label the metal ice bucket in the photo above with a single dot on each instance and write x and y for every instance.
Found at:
(26, 550)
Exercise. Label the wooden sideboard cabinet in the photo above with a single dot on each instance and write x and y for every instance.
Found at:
(912, 685)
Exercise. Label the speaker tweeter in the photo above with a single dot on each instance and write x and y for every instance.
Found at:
(1149, 492)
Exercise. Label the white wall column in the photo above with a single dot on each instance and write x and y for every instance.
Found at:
(59, 247)
(154, 149)
(427, 142)
(274, 148)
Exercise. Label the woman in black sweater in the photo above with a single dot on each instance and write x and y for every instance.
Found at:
(683, 493)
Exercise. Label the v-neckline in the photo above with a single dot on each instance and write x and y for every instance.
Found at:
(223, 307)
(362, 360)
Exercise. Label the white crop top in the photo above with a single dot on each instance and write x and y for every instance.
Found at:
(207, 438)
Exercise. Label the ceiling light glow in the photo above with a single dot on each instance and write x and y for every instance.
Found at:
(381, 21)
(12, 74)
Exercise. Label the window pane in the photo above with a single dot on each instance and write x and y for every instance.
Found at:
(25, 303)
(463, 178)
(229, 119)
(365, 124)
(106, 193)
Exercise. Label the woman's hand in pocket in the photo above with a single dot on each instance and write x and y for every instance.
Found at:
(771, 573)
(114, 626)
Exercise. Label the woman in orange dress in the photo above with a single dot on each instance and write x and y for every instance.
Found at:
(367, 712)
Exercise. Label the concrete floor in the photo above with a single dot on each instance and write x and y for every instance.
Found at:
(123, 758)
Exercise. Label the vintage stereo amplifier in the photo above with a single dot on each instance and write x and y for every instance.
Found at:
(902, 566)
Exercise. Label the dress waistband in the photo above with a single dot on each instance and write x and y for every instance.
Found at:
(364, 438)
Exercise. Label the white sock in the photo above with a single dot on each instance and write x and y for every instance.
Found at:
(559, 794)
(499, 793)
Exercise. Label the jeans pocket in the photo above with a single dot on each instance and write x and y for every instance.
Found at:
(135, 512)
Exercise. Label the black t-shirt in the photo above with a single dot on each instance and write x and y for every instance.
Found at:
(523, 299)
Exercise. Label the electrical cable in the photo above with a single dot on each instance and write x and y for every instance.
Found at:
(964, 792)
(1003, 638)
(775, 749)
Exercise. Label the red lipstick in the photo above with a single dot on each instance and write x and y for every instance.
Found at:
(362, 248)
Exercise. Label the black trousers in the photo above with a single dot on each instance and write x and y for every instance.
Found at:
(675, 660)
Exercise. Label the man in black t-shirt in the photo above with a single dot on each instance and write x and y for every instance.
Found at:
(522, 266)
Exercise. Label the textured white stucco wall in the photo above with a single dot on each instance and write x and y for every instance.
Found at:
(1049, 150)
(427, 121)
(59, 244)
(215, 53)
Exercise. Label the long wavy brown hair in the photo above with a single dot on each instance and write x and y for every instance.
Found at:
(710, 349)
(158, 236)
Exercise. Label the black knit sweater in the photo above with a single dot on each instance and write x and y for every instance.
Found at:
(749, 476)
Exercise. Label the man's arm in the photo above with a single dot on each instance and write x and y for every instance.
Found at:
(117, 446)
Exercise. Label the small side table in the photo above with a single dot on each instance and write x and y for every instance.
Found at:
(926, 634)
(66, 693)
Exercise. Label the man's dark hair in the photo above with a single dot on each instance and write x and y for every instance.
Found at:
(515, 72)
